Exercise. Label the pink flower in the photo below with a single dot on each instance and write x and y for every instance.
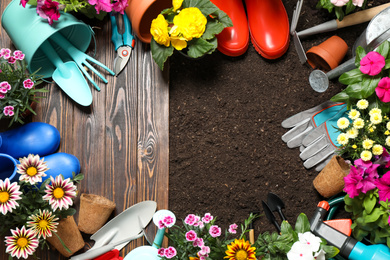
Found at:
(372, 63)
(2, 95)
(383, 185)
(198, 242)
(207, 218)
(19, 55)
(215, 231)
(8, 111)
(161, 252)
(339, 2)
(384, 159)
(190, 219)
(119, 6)
(5, 85)
(358, 2)
(168, 221)
(232, 228)
(28, 83)
(170, 252)
(204, 252)
(383, 89)
(49, 10)
(5, 53)
(161, 224)
(23, 3)
(191, 235)
(101, 5)
(11, 60)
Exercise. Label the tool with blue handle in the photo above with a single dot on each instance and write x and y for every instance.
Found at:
(124, 43)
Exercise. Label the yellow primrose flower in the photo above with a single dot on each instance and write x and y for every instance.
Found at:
(353, 114)
(388, 125)
(352, 133)
(342, 123)
(387, 132)
(366, 155)
(367, 143)
(376, 118)
(159, 30)
(342, 139)
(362, 104)
(375, 111)
(358, 123)
(354, 146)
(176, 4)
(388, 141)
(191, 23)
(377, 149)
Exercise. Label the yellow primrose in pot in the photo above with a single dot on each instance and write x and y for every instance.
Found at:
(188, 26)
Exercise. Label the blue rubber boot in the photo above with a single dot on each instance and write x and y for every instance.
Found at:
(61, 163)
(8, 168)
(32, 138)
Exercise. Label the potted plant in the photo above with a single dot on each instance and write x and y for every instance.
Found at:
(188, 26)
(18, 89)
(341, 7)
(30, 210)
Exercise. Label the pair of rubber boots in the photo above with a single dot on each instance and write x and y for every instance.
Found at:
(266, 22)
(38, 139)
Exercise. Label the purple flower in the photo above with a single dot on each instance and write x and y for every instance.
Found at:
(190, 219)
(8, 111)
(384, 159)
(198, 242)
(233, 228)
(383, 90)
(28, 83)
(119, 6)
(170, 252)
(215, 231)
(191, 235)
(207, 218)
(383, 185)
(372, 63)
(49, 10)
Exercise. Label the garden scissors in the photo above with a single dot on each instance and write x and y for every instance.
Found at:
(124, 43)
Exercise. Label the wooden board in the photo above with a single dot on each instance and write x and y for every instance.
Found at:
(122, 139)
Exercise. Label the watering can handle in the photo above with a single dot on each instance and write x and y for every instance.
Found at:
(51, 54)
(159, 238)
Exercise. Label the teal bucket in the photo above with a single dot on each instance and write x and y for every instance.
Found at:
(28, 31)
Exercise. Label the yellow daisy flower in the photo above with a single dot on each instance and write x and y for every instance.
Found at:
(358, 123)
(352, 133)
(377, 149)
(362, 104)
(353, 114)
(342, 139)
(376, 118)
(375, 111)
(366, 155)
(367, 143)
(240, 250)
(342, 123)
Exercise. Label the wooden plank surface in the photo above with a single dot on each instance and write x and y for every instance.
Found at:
(122, 139)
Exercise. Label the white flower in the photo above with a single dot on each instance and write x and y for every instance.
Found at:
(311, 240)
(375, 111)
(342, 123)
(358, 123)
(362, 104)
(300, 251)
(367, 143)
(377, 149)
(352, 133)
(353, 114)
(376, 118)
(366, 155)
(388, 141)
(320, 255)
(342, 139)
(388, 125)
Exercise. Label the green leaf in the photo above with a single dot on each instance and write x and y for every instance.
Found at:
(369, 204)
(199, 47)
(349, 7)
(374, 216)
(339, 13)
(387, 66)
(351, 77)
(213, 27)
(360, 53)
(302, 225)
(205, 6)
(355, 90)
(369, 83)
(383, 49)
(160, 53)
(340, 97)
(330, 251)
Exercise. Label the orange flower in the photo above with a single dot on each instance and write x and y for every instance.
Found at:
(240, 250)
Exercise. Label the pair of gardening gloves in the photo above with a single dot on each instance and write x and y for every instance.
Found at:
(314, 132)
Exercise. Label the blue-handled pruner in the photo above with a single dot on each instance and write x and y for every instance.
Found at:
(124, 43)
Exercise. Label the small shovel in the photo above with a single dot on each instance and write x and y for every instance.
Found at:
(276, 204)
(68, 77)
(270, 216)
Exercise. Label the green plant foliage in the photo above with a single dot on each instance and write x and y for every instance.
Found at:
(339, 11)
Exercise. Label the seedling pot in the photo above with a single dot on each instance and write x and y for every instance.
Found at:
(328, 55)
(330, 181)
(94, 212)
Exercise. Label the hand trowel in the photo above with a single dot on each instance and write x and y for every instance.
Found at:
(68, 77)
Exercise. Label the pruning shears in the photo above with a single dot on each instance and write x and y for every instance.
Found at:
(124, 43)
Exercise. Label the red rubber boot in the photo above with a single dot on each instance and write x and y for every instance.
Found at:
(269, 27)
(233, 41)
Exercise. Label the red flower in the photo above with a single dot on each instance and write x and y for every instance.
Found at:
(49, 10)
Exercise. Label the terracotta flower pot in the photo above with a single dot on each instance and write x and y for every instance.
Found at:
(94, 212)
(142, 12)
(69, 233)
(328, 54)
(330, 180)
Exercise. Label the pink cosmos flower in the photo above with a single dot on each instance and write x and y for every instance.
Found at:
(49, 10)
(5, 53)
(339, 2)
(233, 228)
(101, 5)
(190, 219)
(372, 63)
(119, 6)
(8, 111)
(358, 2)
(170, 252)
(383, 185)
(215, 231)
(191, 235)
(23, 3)
(11, 60)
(28, 83)
(383, 89)
(19, 55)
(360, 178)
(161, 252)
(207, 218)
(198, 242)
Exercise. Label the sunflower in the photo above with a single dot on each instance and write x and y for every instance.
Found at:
(22, 243)
(43, 223)
(240, 250)
(32, 169)
(60, 193)
(9, 194)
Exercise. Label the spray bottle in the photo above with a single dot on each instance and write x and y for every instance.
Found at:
(349, 247)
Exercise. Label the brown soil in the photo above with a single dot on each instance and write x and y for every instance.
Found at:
(226, 151)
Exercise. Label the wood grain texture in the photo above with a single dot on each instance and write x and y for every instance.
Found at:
(122, 139)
